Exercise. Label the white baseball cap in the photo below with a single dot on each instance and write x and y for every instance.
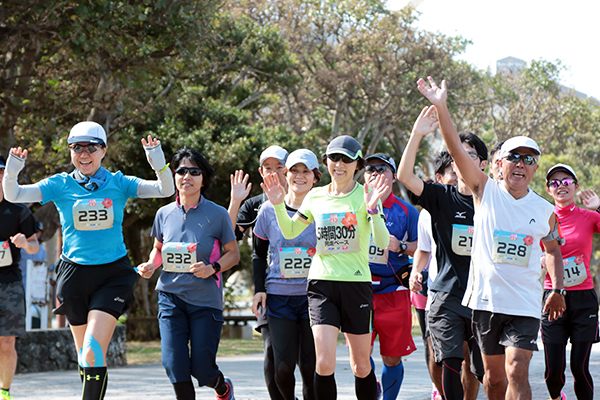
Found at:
(303, 156)
(561, 167)
(276, 152)
(519, 141)
(87, 132)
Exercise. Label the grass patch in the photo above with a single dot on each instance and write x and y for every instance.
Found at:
(150, 352)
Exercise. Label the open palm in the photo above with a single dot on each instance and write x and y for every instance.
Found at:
(273, 189)
(378, 189)
(435, 94)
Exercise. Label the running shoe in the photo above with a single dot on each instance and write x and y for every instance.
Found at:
(4, 395)
(379, 392)
(435, 395)
(563, 396)
(229, 394)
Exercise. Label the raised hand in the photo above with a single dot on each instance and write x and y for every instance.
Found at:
(240, 188)
(590, 199)
(426, 123)
(436, 95)
(19, 152)
(151, 142)
(378, 188)
(273, 189)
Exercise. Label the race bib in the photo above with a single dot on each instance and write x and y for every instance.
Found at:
(294, 262)
(5, 255)
(512, 248)
(377, 255)
(462, 239)
(93, 214)
(178, 257)
(337, 233)
(575, 272)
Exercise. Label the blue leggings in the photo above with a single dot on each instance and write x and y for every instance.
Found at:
(179, 322)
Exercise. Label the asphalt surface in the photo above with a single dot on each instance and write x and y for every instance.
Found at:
(150, 381)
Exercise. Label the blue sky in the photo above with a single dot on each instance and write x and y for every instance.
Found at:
(526, 29)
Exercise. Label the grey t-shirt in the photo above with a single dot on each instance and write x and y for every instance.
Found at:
(208, 226)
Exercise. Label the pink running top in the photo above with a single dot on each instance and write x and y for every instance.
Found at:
(578, 227)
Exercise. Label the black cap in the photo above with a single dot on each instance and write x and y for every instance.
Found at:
(346, 145)
(385, 158)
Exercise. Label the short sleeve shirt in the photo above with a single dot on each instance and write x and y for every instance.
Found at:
(208, 226)
(90, 247)
(401, 220)
(267, 228)
(15, 218)
(352, 266)
(448, 207)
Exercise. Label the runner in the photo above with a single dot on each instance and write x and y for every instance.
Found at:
(495, 157)
(188, 236)
(95, 277)
(17, 231)
(285, 294)
(392, 314)
(580, 322)
(424, 272)
(243, 219)
(503, 289)
(451, 210)
(339, 290)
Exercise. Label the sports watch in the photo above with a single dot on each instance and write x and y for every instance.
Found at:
(216, 266)
(562, 292)
(403, 247)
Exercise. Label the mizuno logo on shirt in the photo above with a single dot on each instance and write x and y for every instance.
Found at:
(357, 273)
(460, 214)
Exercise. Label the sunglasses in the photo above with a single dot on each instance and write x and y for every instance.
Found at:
(565, 182)
(527, 160)
(380, 168)
(474, 156)
(88, 148)
(184, 170)
(337, 157)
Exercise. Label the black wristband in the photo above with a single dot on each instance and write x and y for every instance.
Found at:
(216, 266)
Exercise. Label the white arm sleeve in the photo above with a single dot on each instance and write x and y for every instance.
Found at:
(163, 187)
(155, 157)
(13, 192)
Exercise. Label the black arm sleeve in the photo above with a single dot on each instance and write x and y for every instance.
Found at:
(260, 252)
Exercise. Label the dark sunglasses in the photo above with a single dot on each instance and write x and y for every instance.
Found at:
(380, 168)
(89, 148)
(527, 160)
(184, 170)
(565, 182)
(337, 157)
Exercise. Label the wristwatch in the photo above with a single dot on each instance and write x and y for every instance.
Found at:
(403, 247)
(562, 292)
(216, 266)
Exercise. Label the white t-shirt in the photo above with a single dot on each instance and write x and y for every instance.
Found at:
(426, 243)
(505, 272)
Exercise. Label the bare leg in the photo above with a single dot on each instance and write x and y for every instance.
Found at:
(8, 361)
(517, 372)
(494, 380)
(469, 380)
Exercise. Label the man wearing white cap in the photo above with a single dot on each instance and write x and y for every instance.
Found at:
(503, 289)
(243, 218)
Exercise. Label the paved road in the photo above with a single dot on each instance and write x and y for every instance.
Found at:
(150, 381)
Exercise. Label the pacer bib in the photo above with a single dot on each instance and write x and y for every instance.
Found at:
(462, 239)
(512, 248)
(294, 262)
(5, 255)
(178, 256)
(337, 233)
(575, 272)
(377, 255)
(93, 214)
